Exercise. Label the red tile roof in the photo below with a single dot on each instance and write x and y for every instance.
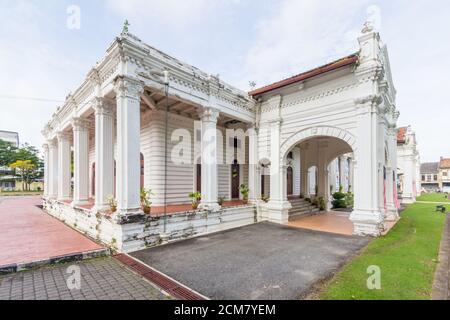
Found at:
(343, 62)
(444, 164)
(401, 135)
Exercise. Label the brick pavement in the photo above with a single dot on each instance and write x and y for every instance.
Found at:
(101, 279)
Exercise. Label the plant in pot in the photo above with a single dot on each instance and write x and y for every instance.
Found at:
(265, 198)
(321, 203)
(145, 200)
(195, 199)
(339, 201)
(220, 201)
(112, 204)
(244, 191)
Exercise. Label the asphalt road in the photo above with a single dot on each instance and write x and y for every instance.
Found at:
(261, 261)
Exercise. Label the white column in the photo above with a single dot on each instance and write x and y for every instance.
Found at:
(104, 153)
(409, 179)
(254, 184)
(296, 170)
(209, 159)
(45, 147)
(350, 174)
(53, 169)
(304, 189)
(392, 211)
(128, 96)
(343, 178)
(367, 216)
(278, 205)
(64, 161)
(81, 161)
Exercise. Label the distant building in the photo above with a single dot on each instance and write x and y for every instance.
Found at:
(444, 174)
(9, 136)
(430, 177)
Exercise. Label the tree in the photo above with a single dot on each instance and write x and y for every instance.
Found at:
(8, 153)
(27, 171)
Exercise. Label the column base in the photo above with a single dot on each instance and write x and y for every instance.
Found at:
(213, 206)
(408, 200)
(101, 208)
(77, 203)
(367, 223)
(277, 211)
(392, 214)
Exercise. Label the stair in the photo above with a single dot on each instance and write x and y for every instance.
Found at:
(301, 208)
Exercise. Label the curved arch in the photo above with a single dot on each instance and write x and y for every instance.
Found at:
(320, 131)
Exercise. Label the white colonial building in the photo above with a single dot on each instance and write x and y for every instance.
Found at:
(408, 165)
(142, 118)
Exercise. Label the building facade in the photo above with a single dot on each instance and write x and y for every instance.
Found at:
(444, 174)
(144, 119)
(430, 177)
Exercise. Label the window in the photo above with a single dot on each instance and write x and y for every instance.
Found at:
(429, 178)
(235, 143)
(435, 177)
(423, 177)
(290, 155)
(444, 173)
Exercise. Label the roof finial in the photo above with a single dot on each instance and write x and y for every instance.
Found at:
(126, 24)
(367, 27)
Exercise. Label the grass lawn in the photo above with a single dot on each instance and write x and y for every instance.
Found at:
(407, 257)
(433, 197)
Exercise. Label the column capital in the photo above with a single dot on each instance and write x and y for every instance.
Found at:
(45, 146)
(209, 114)
(128, 87)
(79, 124)
(102, 107)
(52, 143)
(62, 136)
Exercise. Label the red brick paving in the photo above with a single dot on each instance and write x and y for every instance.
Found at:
(28, 234)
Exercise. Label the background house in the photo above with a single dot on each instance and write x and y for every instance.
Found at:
(430, 177)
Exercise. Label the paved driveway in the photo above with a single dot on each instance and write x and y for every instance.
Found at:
(28, 234)
(261, 261)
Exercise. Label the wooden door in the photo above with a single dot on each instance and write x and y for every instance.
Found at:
(290, 181)
(199, 177)
(235, 179)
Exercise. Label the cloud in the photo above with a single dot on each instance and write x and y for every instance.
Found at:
(172, 13)
(300, 35)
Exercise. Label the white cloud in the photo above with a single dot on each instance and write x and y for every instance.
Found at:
(302, 34)
(172, 13)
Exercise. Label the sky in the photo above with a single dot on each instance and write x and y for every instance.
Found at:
(44, 55)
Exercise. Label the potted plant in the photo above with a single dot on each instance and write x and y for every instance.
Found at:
(220, 201)
(265, 198)
(112, 203)
(244, 191)
(321, 203)
(145, 200)
(195, 199)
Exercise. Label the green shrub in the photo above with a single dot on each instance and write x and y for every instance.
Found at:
(339, 200)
